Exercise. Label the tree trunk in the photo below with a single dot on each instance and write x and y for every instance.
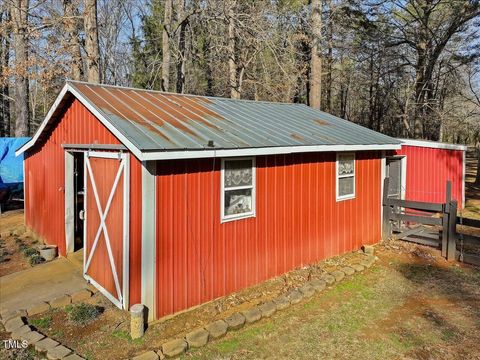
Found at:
(167, 27)
(71, 26)
(232, 64)
(4, 86)
(91, 41)
(208, 67)
(315, 96)
(181, 47)
(371, 107)
(477, 178)
(329, 81)
(19, 15)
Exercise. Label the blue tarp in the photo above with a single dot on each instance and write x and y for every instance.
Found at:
(11, 166)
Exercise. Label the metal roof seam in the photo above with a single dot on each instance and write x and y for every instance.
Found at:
(340, 133)
(248, 118)
(351, 124)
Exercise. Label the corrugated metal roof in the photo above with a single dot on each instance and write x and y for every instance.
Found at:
(157, 121)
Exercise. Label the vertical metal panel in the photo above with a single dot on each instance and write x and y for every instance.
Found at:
(428, 170)
(298, 221)
(45, 178)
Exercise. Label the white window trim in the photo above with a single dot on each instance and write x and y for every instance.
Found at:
(338, 177)
(226, 218)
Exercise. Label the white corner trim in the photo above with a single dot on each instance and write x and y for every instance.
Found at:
(126, 232)
(464, 159)
(433, 144)
(69, 194)
(149, 239)
(403, 190)
(383, 174)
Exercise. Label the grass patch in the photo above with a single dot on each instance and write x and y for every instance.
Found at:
(29, 252)
(228, 346)
(58, 333)
(36, 259)
(247, 334)
(82, 314)
(124, 335)
(42, 323)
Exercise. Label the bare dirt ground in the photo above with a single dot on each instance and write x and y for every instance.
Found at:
(472, 191)
(108, 336)
(12, 258)
(411, 305)
(472, 204)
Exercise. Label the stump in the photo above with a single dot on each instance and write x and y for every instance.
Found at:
(137, 321)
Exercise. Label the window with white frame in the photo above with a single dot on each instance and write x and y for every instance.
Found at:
(345, 176)
(238, 188)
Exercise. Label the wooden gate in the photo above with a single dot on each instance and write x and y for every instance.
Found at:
(431, 224)
(106, 224)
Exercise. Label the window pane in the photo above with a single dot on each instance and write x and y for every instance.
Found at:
(345, 164)
(395, 175)
(238, 201)
(238, 173)
(345, 186)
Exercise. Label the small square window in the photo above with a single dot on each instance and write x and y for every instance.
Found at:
(345, 176)
(238, 188)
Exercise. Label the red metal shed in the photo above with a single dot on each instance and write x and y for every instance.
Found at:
(425, 168)
(179, 199)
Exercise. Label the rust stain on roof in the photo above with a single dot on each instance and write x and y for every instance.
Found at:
(322, 122)
(110, 104)
(158, 112)
(151, 107)
(176, 112)
(297, 137)
(193, 104)
(157, 120)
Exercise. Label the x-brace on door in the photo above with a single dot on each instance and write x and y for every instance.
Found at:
(107, 224)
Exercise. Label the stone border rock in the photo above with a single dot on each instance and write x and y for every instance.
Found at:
(201, 336)
(20, 330)
(15, 322)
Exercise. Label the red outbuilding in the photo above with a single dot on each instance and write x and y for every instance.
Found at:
(420, 170)
(178, 199)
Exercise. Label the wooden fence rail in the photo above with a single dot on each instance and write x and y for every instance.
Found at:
(433, 224)
(468, 222)
(437, 216)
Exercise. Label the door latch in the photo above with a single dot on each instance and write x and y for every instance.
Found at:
(81, 214)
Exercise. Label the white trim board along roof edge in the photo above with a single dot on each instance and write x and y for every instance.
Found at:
(433, 144)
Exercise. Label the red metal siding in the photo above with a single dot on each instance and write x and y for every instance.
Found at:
(45, 180)
(298, 221)
(429, 169)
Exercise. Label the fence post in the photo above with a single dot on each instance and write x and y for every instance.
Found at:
(386, 228)
(452, 231)
(445, 219)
